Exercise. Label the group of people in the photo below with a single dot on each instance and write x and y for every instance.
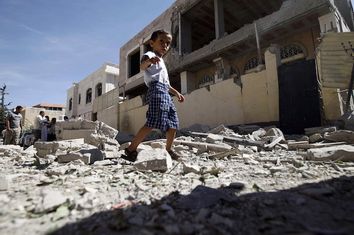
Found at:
(44, 128)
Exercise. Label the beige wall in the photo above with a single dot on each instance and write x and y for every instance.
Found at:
(222, 103)
(29, 115)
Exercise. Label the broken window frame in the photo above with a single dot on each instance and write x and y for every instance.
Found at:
(292, 52)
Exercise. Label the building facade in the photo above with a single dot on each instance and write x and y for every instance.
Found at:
(29, 114)
(239, 62)
(81, 95)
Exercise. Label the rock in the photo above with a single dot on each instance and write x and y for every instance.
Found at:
(333, 153)
(315, 138)
(258, 134)
(87, 155)
(222, 130)
(61, 170)
(86, 124)
(214, 139)
(154, 160)
(275, 169)
(273, 133)
(57, 147)
(341, 136)
(51, 200)
(61, 212)
(319, 130)
(189, 168)
(72, 156)
(107, 130)
(3, 183)
(103, 163)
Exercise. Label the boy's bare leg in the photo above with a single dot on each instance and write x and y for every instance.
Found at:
(139, 137)
(170, 136)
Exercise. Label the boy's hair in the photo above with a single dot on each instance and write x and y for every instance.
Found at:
(156, 34)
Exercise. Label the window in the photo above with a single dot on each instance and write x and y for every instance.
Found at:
(134, 63)
(251, 64)
(79, 101)
(98, 90)
(70, 104)
(291, 52)
(88, 95)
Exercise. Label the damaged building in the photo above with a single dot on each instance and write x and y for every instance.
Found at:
(80, 96)
(242, 62)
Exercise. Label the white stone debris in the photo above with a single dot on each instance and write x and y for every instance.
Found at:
(154, 160)
(222, 179)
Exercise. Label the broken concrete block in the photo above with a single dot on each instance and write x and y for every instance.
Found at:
(340, 135)
(188, 168)
(259, 133)
(154, 160)
(76, 134)
(88, 156)
(86, 124)
(72, 156)
(315, 138)
(16, 148)
(107, 130)
(333, 153)
(222, 130)
(274, 133)
(51, 199)
(320, 130)
(214, 139)
(56, 147)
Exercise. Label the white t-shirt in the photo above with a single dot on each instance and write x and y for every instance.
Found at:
(38, 122)
(156, 72)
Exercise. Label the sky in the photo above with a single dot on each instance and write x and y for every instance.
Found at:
(46, 45)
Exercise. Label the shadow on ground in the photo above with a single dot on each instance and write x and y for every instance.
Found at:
(324, 208)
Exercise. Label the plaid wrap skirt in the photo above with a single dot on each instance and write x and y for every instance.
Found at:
(162, 112)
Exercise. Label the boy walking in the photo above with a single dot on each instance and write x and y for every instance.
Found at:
(161, 113)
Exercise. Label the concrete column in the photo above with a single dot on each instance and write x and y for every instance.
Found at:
(187, 82)
(272, 62)
(219, 18)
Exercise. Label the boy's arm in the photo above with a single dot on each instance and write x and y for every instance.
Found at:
(176, 93)
(146, 62)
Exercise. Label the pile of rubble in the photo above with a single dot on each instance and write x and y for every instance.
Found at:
(256, 182)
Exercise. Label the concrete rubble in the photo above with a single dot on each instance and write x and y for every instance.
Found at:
(225, 182)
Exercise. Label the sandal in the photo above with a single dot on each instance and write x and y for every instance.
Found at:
(130, 155)
(174, 155)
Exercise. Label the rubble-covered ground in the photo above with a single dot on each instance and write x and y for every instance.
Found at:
(224, 183)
